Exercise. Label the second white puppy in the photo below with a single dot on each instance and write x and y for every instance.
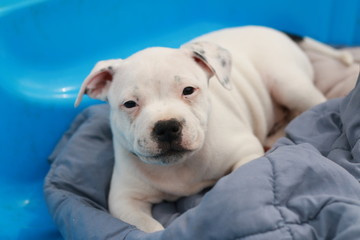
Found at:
(183, 118)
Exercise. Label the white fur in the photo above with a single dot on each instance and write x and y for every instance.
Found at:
(221, 129)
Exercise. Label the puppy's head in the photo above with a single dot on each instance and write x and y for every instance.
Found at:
(159, 98)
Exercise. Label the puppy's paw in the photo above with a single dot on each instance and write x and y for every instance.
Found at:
(150, 227)
(246, 160)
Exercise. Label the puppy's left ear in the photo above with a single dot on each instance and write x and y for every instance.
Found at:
(215, 60)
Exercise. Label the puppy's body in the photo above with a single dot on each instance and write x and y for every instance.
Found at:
(175, 132)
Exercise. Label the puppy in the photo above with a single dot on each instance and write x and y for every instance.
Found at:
(183, 118)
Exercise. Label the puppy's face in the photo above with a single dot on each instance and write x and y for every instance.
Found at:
(159, 98)
(159, 105)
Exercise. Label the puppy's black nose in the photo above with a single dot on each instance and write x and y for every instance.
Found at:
(167, 131)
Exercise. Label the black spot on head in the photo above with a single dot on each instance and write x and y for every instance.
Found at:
(177, 78)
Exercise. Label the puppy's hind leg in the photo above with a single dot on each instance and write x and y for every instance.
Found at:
(295, 90)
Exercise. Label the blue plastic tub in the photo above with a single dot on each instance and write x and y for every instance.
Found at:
(47, 47)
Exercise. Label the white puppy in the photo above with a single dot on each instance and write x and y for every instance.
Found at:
(175, 132)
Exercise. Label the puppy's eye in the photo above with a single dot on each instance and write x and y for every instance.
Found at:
(188, 91)
(130, 104)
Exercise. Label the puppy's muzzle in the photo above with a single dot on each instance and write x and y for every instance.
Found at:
(168, 132)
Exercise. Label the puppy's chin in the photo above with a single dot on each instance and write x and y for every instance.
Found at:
(166, 159)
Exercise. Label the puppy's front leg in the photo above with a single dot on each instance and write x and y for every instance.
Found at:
(135, 212)
(249, 148)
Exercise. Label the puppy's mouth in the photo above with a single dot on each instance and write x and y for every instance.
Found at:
(167, 157)
(171, 154)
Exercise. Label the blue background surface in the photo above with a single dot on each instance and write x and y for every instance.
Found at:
(47, 47)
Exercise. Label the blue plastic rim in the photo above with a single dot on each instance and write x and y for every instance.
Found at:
(47, 47)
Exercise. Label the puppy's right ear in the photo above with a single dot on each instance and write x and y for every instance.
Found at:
(215, 60)
(97, 83)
